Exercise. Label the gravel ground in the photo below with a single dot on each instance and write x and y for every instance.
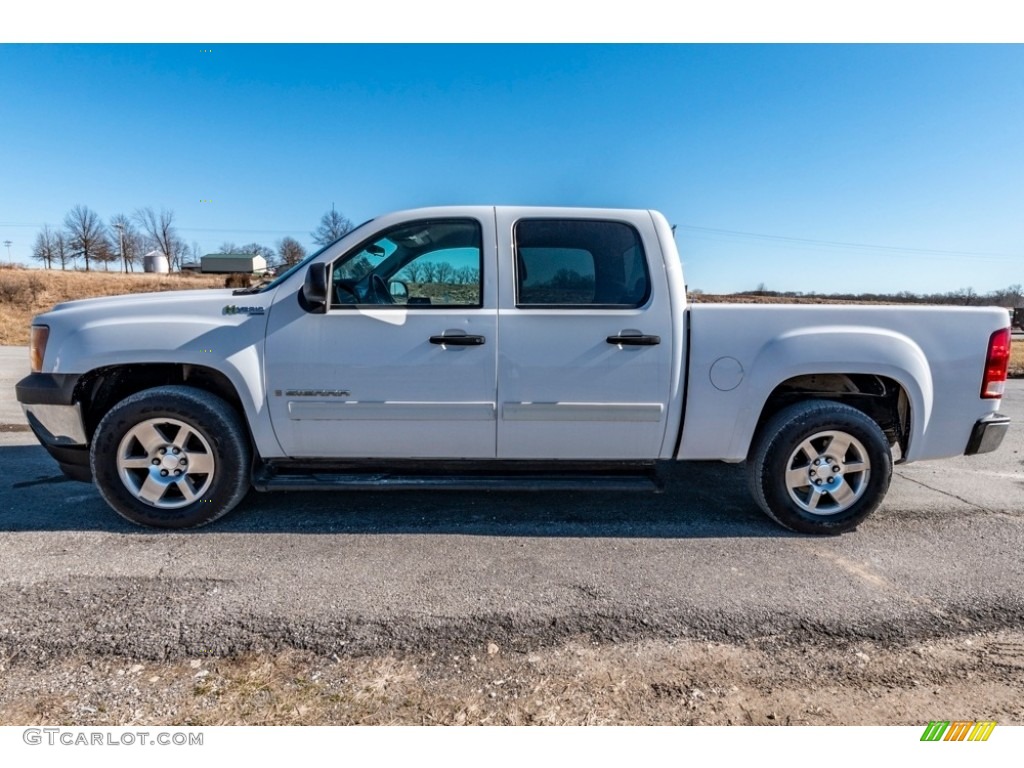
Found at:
(763, 682)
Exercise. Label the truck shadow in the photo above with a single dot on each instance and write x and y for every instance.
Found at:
(701, 500)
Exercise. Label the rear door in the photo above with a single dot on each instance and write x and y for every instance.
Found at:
(585, 324)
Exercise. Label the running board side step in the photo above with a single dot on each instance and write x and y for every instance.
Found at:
(313, 478)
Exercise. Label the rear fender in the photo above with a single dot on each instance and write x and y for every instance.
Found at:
(710, 434)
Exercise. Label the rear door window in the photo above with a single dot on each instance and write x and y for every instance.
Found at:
(579, 263)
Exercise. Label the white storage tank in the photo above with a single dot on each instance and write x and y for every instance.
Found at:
(154, 261)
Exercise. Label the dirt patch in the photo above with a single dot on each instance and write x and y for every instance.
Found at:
(645, 683)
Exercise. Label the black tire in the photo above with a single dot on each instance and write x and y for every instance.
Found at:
(820, 467)
(171, 457)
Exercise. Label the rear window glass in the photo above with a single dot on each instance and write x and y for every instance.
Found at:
(573, 263)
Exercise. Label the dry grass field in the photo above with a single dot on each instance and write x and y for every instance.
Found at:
(27, 292)
(1017, 358)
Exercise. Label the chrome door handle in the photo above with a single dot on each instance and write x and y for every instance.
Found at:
(464, 340)
(640, 340)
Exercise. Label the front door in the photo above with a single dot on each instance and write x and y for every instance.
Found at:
(403, 362)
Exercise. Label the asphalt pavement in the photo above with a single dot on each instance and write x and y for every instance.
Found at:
(13, 367)
(341, 572)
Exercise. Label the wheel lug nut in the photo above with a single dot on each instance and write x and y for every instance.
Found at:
(813, 473)
(163, 451)
(156, 461)
(175, 451)
(163, 473)
(183, 462)
(177, 472)
(835, 469)
(817, 482)
(831, 480)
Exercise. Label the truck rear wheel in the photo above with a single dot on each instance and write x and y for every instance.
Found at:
(820, 467)
(171, 457)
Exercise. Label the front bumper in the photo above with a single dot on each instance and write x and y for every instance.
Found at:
(987, 434)
(56, 421)
(56, 424)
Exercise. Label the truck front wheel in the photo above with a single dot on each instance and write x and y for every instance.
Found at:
(171, 457)
(820, 467)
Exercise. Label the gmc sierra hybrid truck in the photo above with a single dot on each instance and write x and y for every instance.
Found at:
(500, 347)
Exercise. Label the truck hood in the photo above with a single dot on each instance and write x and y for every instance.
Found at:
(200, 300)
(209, 306)
(171, 326)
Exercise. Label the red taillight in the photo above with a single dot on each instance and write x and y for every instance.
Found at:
(997, 363)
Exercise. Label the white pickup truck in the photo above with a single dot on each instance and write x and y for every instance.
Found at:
(484, 347)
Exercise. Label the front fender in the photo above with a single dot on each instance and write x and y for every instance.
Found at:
(231, 345)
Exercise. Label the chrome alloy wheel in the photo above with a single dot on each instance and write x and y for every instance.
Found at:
(165, 463)
(828, 472)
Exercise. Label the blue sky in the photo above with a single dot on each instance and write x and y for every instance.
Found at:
(765, 156)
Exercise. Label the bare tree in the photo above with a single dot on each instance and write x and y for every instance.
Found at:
(62, 250)
(228, 247)
(105, 253)
(1015, 295)
(445, 272)
(429, 271)
(965, 296)
(180, 248)
(257, 249)
(128, 240)
(332, 226)
(413, 271)
(86, 233)
(161, 234)
(43, 250)
(1008, 297)
(467, 275)
(290, 251)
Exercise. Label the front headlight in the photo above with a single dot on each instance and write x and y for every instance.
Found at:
(38, 337)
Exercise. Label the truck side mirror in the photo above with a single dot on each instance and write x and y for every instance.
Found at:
(314, 289)
(399, 291)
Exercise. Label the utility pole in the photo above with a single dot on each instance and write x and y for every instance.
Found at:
(8, 243)
(120, 231)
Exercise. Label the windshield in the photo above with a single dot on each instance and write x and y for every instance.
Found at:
(261, 287)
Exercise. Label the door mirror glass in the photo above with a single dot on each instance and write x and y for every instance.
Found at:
(399, 291)
(314, 289)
